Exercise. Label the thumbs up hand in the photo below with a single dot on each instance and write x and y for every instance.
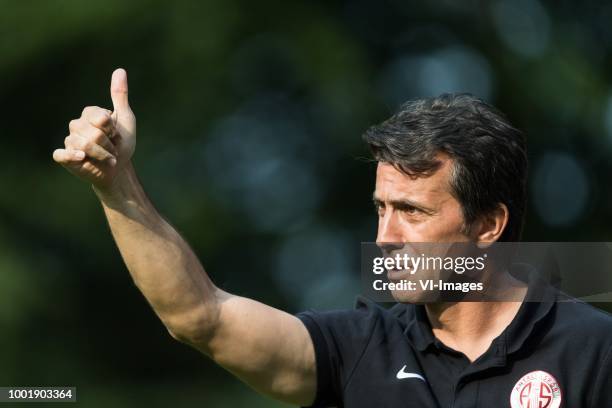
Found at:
(101, 142)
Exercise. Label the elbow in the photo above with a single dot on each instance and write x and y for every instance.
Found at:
(177, 335)
(195, 328)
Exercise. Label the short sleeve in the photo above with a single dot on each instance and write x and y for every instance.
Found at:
(340, 338)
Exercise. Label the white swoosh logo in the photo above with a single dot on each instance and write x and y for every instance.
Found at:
(401, 374)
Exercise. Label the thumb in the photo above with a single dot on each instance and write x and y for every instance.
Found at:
(119, 91)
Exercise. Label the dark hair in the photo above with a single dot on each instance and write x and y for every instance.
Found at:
(488, 153)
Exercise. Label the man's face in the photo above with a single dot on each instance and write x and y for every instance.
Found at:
(416, 210)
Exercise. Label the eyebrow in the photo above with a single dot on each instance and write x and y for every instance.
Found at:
(404, 203)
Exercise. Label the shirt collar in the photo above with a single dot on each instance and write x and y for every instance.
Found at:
(538, 303)
(419, 330)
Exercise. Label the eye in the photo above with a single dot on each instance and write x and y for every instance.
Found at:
(379, 208)
(409, 209)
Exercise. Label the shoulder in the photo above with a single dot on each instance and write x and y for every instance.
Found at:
(574, 313)
(586, 331)
(587, 325)
(366, 317)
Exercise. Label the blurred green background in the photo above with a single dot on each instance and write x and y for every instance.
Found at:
(250, 116)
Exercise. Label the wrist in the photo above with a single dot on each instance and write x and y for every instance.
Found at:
(124, 186)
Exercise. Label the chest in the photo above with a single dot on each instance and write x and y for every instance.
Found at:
(404, 377)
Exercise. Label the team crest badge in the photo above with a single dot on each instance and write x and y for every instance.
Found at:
(536, 389)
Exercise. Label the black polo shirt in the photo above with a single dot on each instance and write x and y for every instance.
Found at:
(555, 353)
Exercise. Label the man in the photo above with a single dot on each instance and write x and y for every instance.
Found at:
(450, 169)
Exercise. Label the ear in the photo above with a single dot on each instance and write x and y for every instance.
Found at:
(490, 226)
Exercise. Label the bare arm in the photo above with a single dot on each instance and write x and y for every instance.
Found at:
(268, 349)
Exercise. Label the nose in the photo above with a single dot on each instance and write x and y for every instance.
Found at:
(389, 235)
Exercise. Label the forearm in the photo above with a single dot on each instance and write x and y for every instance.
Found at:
(162, 264)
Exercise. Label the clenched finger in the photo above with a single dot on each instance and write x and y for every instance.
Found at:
(97, 136)
(91, 149)
(102, 139)
(68, 156)
(87, 130)
(100, 118)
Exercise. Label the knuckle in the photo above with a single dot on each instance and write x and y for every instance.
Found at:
(96, 116)
(88, 110)
(101, 119)
(77, 142)
(73, 125)
(88, 145)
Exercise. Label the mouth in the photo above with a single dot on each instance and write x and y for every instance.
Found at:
(396, 273)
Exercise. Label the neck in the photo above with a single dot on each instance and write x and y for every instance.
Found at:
(470, 327)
